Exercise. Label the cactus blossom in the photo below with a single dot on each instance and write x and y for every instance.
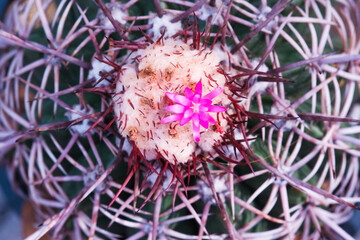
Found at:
(193, 107)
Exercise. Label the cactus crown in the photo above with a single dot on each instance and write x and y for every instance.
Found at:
(171, 119)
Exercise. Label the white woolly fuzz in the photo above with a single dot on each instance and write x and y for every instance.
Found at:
(84, 125)
(220, 187)
(140, 100)
(262, 17)
(258, 87)
(215, 11)
(164, 23)
(97, 68)
(116, 12)
(277, 109)
(166, 178)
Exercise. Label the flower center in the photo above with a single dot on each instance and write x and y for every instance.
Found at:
(195, 107)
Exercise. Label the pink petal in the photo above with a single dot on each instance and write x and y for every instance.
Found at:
(177, 108)
(198, 89)
(204, 119)
(203, 123)
(184, 121)
(195, 119)
(196, 99)
(185, 111)
(213, 94)
(203, 109)
(196, 132)
(188, 93)
(205, 102)
(211, 119)
(188, 113)
(171, 118)
(178, 98)
(214, 108)
(203, 116)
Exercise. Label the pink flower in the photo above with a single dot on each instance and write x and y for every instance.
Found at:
(193, 107)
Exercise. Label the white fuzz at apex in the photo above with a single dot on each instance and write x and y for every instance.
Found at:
(140, 98)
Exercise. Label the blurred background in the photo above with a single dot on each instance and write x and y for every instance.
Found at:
(10, 210)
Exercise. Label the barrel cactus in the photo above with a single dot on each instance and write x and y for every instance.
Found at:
(172, 119)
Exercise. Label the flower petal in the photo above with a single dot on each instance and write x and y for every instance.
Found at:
(188, 93)
(213, 94)
(214, 108)
(193, 107)
(171, 118)
(211, 119)
(196, 132)
(195, 119)
(188, 113)
(203, 109)
(184, 121)
(204, 123)
(198, 89)
(203, 116)
(178, 98)
(205, 102)
(176, 108)
(204, 119)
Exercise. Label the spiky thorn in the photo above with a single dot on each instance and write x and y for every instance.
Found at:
(64, 153)
(130, 45)
(216, 37)
(204, 218)
(231, 190)
(155, 186)
(118, 27)
(195, 34)
(268, 117)
(160, 40)
(117, 67)
(188, 11)
(106, 113)
(232, 232)
(240, 148)
(91, 32)
(240, 111)
(219, 165)
(262, 76)
(124, 205)
(158, 8)
(175, 193)
(155, 224)
(326, 118)
(271, 45)
(186, 31)
(226, 20)
(136, 188)
(192, 211)
(310, 61)
(59, 219)
(136, 151)
(298, 184)
(147, 37)
(277, 8)
(206, 33)
(136, 165)
(94, 215)
(42, 49)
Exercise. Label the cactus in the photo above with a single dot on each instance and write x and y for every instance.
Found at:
(172, 119)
